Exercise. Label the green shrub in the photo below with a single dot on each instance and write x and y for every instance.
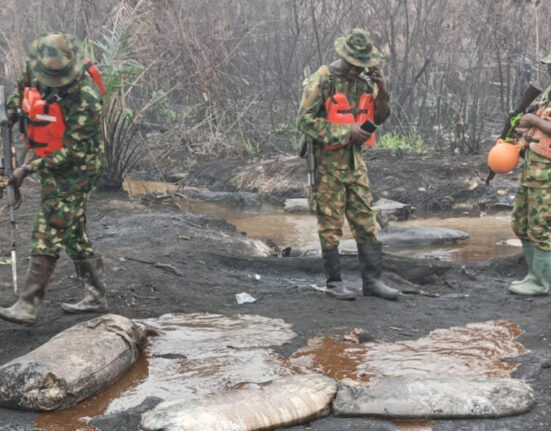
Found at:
(395, 143)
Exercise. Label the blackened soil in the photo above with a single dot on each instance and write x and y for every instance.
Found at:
(209, 262)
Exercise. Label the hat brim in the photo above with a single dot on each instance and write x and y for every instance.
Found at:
(372, 60)
(59, 80)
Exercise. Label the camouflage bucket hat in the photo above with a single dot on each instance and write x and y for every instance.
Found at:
(357, 48)
(54, 59)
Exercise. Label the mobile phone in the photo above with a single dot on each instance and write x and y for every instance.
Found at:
(368, 126)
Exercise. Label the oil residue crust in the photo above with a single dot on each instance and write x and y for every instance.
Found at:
(474, 350)
(194, 355)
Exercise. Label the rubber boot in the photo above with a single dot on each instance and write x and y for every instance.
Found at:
(371, 256)
(91, 276)
(334, 283)
(541, 269)
(529, 250)
(25, 309)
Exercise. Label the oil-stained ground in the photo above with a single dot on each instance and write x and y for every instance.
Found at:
(161, 260)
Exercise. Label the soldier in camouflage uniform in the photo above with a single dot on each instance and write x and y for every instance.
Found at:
(68, 175)
(342, 185)
(532, 212)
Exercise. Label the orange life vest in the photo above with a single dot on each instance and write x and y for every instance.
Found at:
(45, 124)
(339, 111)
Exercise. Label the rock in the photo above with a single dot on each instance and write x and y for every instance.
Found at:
(392, 209)
(74, 365)
(386, 207)
(176, 177)
(296, 206)
(401, 235)
(392, 235)
(435, 398)
(282, 402)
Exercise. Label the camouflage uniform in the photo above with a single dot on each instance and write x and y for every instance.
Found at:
(68, 175)
(532, 216)
(55, 69)
(342, 185)
(532, 212)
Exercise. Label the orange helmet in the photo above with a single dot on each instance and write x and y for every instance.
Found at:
(503, 157)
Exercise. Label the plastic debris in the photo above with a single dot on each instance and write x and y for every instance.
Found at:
(244, 298)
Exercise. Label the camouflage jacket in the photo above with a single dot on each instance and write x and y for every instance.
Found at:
(536, 171)
(311, 117)
(79, 164)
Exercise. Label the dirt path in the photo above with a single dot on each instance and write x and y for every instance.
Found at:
(204, 262)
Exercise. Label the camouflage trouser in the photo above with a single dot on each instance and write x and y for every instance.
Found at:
(340, 193)
(532, 216)
(61, 223)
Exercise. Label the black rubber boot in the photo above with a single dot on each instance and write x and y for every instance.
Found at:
(334, 284)
(91, 277)
(25, 310)
(371, 256)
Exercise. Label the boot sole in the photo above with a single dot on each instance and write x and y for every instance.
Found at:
(511, 290)
(389, 298)
(69, 310)
(341, 298)
(18, 321)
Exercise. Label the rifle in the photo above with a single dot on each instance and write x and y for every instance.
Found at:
(6, 165)
(306, 146)
(531, 93)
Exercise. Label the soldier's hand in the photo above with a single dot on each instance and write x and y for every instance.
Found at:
(358, 135)
(18, 176)
(377, 77)
(528, 120)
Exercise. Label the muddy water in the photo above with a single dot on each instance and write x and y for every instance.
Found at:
(193, 356)
(75, 417)
(474, 350)
(489, 236)
(197, 355)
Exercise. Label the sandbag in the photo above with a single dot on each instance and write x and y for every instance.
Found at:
(434, 398)
(282, 402)
(75, 364)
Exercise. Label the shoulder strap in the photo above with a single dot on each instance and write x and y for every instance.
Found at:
(331, 81)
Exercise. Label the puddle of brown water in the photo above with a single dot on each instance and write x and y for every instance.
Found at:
(487, 234)
(193, 356)
(471, 351)
(137, 187)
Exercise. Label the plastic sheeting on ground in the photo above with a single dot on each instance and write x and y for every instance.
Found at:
(283, 402)
(75, 364)
(434, 398)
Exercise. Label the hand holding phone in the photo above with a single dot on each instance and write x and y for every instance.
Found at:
(369, 127)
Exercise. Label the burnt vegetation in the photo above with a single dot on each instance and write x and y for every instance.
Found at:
(201, 77)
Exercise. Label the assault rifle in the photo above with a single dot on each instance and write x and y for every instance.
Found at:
(531, 93)
(306, 151)
(6, 166)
